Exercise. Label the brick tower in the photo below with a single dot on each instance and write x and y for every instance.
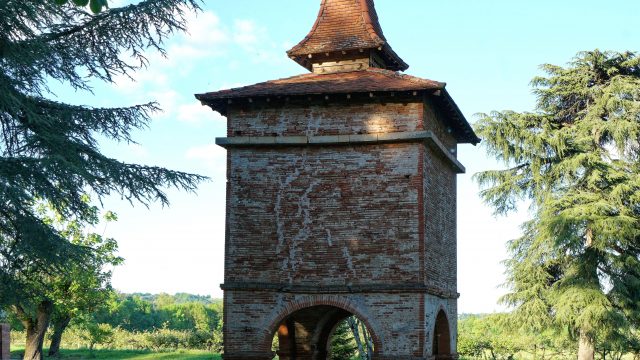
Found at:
(341, 199)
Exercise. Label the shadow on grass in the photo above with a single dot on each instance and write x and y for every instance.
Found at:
(83, 354)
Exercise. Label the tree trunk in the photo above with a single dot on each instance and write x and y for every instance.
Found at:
(59, 325)
(36, 329)
(586, 347)
(353, 324)
(367, 340)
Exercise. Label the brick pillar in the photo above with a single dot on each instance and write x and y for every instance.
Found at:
(5, 339)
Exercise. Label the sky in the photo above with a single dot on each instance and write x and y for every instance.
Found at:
(486, 51)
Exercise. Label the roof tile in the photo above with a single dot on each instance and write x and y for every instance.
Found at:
(344, 25)
(370, 80)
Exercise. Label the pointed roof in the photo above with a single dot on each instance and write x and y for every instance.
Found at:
(343, 26)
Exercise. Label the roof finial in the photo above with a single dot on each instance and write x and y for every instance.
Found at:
(346, 30)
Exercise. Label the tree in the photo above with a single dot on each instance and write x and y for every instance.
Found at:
(85, 287)
(48, 149)
(81, 289)
(362, 338)
(576, 159)
(342, 343)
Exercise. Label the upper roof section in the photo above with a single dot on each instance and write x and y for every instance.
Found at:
(371, 82)
(345, 28)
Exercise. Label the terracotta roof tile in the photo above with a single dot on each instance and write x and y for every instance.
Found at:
(370, 80)
(363, 81)
(344, 25)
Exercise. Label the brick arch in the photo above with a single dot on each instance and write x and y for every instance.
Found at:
(441, 347)
(305, 303)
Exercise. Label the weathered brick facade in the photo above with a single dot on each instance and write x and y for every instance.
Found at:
(341, 200)
(5, 340)
(369, 227)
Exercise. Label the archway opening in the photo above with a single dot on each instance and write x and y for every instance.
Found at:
(323, 333)
(442, 337)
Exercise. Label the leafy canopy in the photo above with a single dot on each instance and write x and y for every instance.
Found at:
(49, 149)
(86, 283)
(577, 160)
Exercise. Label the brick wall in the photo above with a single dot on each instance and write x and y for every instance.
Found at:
(344, 218)
(325, 216)
(328, 119)
(433, 305)
(395, 320)
(440, 222)
(4, 341)
(435, 121)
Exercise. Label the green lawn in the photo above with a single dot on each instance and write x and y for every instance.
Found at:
(127, 355)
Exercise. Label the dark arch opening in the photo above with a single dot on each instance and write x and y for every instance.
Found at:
(322, 333)
(442, 337)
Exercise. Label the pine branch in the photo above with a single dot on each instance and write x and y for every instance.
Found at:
(48, 149)
(95, 44)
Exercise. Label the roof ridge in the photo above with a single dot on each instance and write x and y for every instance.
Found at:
(399, 75)
(368, 22)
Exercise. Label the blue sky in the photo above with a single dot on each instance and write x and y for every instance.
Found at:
(487, 52)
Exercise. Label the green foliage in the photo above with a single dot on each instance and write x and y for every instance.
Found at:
(48, 149)
(111, 354)
(489, 337)
(103, 336)
(98, 334)
(84, 286)
(498, 336)
(361, 337)
(342, 344)
(135, 313)
(577, 160)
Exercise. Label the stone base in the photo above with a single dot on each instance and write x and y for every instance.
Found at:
(249, 356)
(5, 339)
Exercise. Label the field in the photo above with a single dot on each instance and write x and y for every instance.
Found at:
(82, 354)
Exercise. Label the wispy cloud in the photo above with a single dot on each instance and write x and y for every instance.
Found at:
(208, 39)
(246, 33)
(196, 113)
(205, 37)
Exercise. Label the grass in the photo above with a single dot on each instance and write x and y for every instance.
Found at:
(81, 354)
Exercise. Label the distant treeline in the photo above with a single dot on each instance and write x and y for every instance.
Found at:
(147, 312)
(144, 322)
